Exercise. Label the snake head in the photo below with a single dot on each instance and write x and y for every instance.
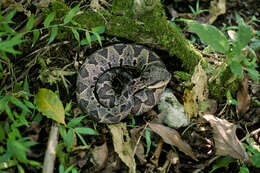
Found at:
(156, 80)
(153, 77)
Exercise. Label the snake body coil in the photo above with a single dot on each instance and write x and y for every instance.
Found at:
(120, 79)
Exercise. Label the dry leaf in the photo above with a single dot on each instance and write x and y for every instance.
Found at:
(172, 137)
(155, 158)
(138, 145)
(200, 89)
(188, 103)
(99, 156)
(243, 97)
(172, 159)
(42, 3)
(213, 106)
(217, 7)
(226, 141)
(122, 145)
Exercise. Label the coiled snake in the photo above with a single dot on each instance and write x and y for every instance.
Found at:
(120, 79)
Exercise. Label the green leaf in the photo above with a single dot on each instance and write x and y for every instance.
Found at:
(18, 103)
(99, 29)
(18, 150)
(62, 131)
(71, 14)
(254, 74)
(8, 44)
(61, 168)
(29, 104)
(3, 101)
(20, 168)
(9, 50)
(256, 160)
(49, 19)
(35, 163)
(75, 121)
(36, 34)
(30, 23)
(230, 99)
(9, 16)
(211, 36)
(92, 37)
(26, 85)
(82, 140)
(6, 157)
(244, 169)
(148, 141)
(236, 69)
(69, 137)
(54, 32)
(69, 169)
(86, 131)
(76, 34)
(98, 38)
(75, 23)
(255, 45)
(242, 37)
(49, 104)
(192, 10)
(222, 162)
(239, 19)
(2, 132)
(88, 38)
(133, 123)
(9, 112)
(68, 108)
(7, 28)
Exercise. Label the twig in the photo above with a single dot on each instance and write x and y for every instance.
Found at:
(252, 133)
(206, 164)
(50, 154)
(139, 139)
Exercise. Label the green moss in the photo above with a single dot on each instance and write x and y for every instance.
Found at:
(90, 19)
(218, 88)
(183, 75)
(59, 7)
(121, 7)
(170, 37)
(150, 27)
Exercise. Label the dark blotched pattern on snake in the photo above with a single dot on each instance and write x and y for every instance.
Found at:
(119, 80)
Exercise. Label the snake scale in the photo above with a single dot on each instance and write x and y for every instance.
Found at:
(120, 79)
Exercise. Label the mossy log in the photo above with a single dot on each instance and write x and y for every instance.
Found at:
(144, 23)
(150, 27)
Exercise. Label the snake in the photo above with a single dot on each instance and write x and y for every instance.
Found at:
(119, 80)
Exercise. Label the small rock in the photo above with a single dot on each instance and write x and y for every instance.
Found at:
(172, 110)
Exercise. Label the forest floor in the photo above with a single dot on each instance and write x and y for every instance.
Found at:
(225, 139)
